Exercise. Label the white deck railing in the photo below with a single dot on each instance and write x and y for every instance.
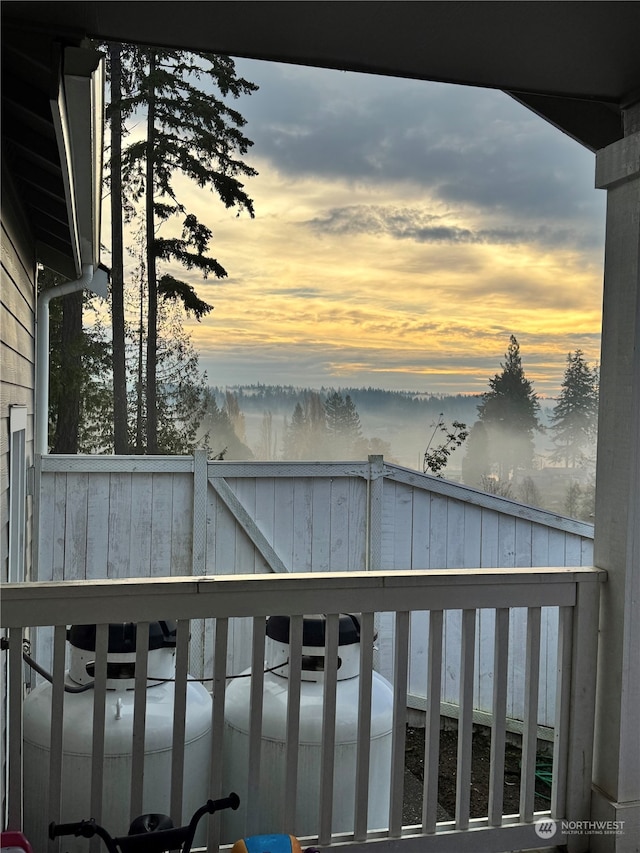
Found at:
(575, 592)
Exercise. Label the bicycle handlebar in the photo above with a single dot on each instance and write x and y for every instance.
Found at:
(151, 842)
(82, 828)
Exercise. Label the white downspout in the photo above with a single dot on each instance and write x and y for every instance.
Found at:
(92, 278)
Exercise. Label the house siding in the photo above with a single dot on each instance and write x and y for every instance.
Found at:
(17, 348)
(17, 357)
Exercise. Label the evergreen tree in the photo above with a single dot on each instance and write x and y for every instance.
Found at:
(509, 413)
(343, 427)
(122, 76)
(190, 130)
(180, 385)
(217, 434)
(574, 420)
(78, 364)
(296, 435)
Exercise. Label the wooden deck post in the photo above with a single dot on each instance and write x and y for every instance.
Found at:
(617, 529)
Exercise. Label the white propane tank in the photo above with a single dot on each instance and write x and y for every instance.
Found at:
(78, 734)
(274, 722)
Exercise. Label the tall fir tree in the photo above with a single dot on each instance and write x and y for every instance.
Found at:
(509, 413)
(296, 442)
(343, 428)
(191, 130)
(574, 421)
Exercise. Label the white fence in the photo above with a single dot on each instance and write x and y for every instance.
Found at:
(574, 593)
(117, 517)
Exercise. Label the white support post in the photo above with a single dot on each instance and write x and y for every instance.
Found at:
(617, 526)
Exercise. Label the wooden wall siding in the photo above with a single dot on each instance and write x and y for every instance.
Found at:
(17, 350)
(139, 521)
(17, 357)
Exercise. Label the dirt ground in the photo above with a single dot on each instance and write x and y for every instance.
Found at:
(414, 761)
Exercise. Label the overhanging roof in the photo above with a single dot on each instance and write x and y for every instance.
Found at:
(52, 143)
(577, 64)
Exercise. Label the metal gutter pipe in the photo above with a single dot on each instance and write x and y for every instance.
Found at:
(93, 278)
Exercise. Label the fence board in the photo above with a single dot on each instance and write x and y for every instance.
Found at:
(140, 529)
(321, 525)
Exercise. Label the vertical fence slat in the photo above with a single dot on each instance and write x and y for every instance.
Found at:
(465, 723)
(217, 726)
(218, 696)
(529, 736)
(499, 725)
(328, 727)
(179, 720)
(432, 727)
(400, 677)
(57, 721)
(15, 786)
(363, 749)
(139, 719)
(99, 716)
(563, 698)
(293, 721)
(255, 727)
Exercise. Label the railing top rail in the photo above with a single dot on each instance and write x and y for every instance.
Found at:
(134, 599)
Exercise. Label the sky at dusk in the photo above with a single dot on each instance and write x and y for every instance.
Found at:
(403, 231)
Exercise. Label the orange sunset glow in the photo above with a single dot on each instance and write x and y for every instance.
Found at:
(403, 231)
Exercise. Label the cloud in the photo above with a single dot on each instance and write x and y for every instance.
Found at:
(421, 227)
(403, 231)
(466, 146)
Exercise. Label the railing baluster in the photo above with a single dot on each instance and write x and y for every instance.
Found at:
(293, 721)
(432, 726)
(15, 779)
(139, 719)
(563, 708)
(499, 725)
(465, 722)
(328, 727)
(217, 725)
(363, 749)
(400, 676)
(529, 736)
(179, 720)
(255, 728)
(54, 805)
(99, 716)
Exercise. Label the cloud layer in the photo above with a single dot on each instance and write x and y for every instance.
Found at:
(403, 231)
